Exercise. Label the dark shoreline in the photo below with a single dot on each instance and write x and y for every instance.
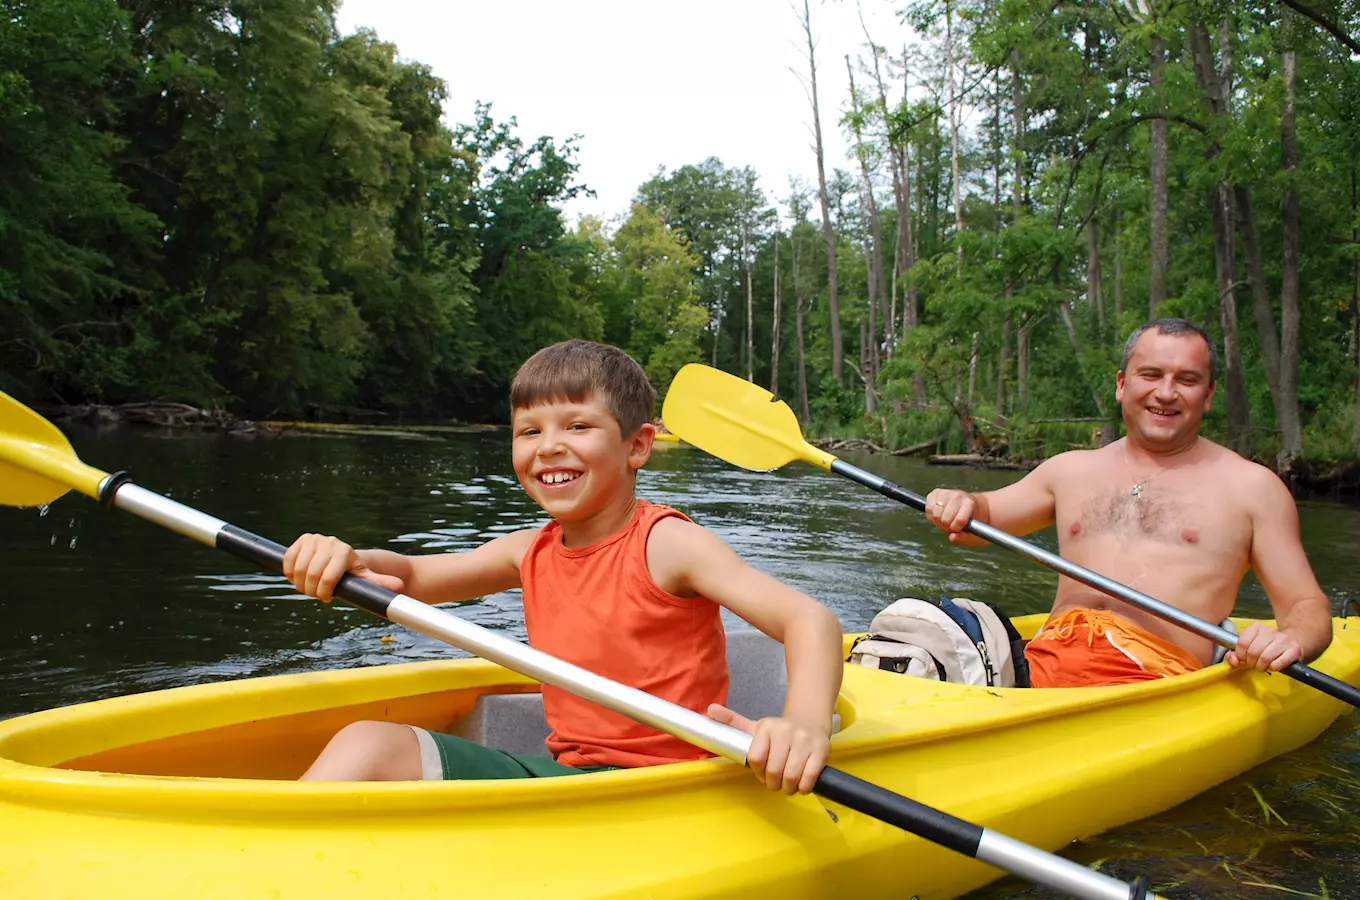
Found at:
(1310, 479)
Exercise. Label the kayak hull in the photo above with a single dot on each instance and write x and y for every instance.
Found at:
(184, 793)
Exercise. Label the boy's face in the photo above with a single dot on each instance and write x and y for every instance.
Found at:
(572, 459)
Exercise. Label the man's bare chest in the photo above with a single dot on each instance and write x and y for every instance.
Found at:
(1199, 518)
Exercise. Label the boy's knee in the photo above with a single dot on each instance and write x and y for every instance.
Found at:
(379, 750)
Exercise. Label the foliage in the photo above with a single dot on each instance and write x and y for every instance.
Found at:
(227, 202)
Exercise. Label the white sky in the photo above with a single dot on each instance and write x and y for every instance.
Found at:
(644, 83)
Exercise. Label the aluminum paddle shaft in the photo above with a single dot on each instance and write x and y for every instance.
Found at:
(1334, 687)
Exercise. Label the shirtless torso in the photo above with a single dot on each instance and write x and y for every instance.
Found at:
(1166, 512)
(1185, 537)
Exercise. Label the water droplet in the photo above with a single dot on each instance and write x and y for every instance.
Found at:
(73, 543)
(54, 540)
(44, 509)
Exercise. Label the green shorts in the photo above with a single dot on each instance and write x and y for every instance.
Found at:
(449, 758)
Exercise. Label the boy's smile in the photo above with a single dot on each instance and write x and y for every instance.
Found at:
(571, 458)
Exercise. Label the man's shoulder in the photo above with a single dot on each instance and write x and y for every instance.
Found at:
(1243, 471)
(1067, 463)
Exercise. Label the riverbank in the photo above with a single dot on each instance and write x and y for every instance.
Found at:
(1309, 479)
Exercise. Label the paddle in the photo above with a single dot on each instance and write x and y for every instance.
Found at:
(38, 465)
(744, 424)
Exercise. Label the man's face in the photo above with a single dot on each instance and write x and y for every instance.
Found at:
(1165, 389)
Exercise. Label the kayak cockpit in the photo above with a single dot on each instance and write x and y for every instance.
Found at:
(273, 728)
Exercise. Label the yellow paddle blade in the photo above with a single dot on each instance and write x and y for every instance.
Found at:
(37, 464)
(736, 421)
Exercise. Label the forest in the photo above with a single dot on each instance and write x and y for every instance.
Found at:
(231, 204)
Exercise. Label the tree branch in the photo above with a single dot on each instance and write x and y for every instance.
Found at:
(1325, 24)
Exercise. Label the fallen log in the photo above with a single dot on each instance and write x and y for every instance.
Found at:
(977, 460)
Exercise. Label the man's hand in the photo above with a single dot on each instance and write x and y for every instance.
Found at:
(1264, 648)
(950, 511)
(785, 754)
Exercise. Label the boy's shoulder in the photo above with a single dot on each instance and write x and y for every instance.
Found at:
(679, 541)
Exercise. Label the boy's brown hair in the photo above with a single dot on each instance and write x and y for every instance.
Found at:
(576, 371)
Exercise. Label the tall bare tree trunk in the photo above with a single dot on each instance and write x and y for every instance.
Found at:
(1291, 433)
(1118, 266)
(750, 299)
(717, 328)
(908, 242)
(828, 234)
(1260, 293)
(1004, 349)
(972, 370)
(1017, 209)
(1355, 295)
(1093, 286)
(1022, 361)
(889, 296)
(953, 129)
(873, 237)
(1002, 361)
(869, 343)
(1075, 339)
(774, 342)
(1160, 248)
(798, 307)
(1216, 95)
(866, 367)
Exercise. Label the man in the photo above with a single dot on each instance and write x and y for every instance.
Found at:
(1167, 512)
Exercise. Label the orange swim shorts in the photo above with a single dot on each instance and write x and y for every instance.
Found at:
(1092, 647)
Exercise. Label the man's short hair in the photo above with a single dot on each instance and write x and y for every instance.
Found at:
(577, 371)
(1171, 326)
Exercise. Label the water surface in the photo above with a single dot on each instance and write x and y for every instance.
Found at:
(99, 604)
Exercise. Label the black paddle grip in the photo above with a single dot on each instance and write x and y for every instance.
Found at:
(1334, 687)
(917, 818)
(365, 595)
(881, 485)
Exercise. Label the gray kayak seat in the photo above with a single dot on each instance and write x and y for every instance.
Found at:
(515, 723)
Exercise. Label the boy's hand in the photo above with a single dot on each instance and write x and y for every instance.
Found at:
(316, 562)
(785, 754)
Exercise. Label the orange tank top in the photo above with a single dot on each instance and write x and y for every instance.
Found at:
(598, 607)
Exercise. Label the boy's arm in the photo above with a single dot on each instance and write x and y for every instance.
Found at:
(687, 559)
(458, 577)
(315, 563)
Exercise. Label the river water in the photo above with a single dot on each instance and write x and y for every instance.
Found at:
(98, 604)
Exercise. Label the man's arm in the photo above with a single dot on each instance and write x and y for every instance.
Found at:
(1020, 508)
(1277, 556)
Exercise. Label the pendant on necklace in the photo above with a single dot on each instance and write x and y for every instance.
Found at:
(1136, 490)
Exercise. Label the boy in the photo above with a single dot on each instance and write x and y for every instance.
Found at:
(622, 587)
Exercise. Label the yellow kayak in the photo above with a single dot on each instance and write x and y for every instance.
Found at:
(186, 793)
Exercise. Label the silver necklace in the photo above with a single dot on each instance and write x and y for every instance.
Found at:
(1137, 490)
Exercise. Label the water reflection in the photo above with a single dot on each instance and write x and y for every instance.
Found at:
(131, 607)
